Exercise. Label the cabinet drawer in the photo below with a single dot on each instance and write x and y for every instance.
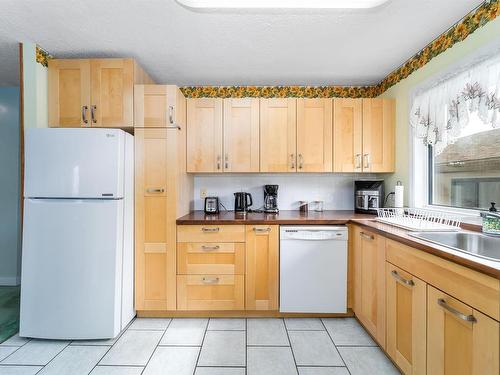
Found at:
(478, 290)
(210, 292)
(225, 258)
(211, 233)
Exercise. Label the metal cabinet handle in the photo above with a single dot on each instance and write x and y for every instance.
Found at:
(226, 161)
(171, 112)
(210, 280)
(218, 162)
(468, 318)
(261, 230)
(155, 190)
(210, 248)
(366, 159)
(367, 236)
(84, 114)
(358, 161)
(292, 159)
(401, 279)
(301, 161)
(210, 230)
(93, 108)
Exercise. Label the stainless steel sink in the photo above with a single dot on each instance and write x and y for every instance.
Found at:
(477, 244)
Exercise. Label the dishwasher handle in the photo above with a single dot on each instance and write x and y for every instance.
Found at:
(315, 235)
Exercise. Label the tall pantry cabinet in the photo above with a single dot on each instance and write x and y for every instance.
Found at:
(163, 192)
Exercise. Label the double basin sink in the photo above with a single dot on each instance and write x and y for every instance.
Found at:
(477, 244)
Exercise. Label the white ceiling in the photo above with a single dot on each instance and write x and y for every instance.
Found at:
(178, 45)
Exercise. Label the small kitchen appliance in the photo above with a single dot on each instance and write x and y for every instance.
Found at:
(368, 196)
(242, 201)
(271, 198)
(211, 205)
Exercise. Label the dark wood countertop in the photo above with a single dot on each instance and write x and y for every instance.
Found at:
(486, 266)
(282, 218)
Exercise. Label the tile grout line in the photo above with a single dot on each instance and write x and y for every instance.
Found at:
(246, 346)
(157, 345)
(201, 346)
(291, 348)
(335, 346)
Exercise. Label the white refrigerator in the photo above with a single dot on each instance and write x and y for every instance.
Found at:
(77, 254)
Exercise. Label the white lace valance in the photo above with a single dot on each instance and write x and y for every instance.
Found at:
(439, 114)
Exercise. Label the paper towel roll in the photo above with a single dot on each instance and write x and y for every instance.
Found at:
(399, 194)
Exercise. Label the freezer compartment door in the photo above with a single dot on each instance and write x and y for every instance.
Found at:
(71, 269)
(74, 163)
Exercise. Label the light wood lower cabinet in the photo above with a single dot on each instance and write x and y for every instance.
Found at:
(460, 340)
(369, 281)
(223, 258)
(262, 267)
(211, 292)
(406, 320)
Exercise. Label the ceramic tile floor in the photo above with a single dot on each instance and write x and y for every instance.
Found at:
(337, 346)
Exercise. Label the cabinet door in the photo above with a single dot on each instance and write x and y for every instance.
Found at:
(369, 282)
(278, 135)
(204, 135)
(406, 320)
(155, 251)
(314, 135)
(241, 135)
(262, 267)
(378, 135)
(150, 106)
(347, 135)
(460, 340)
(112, 92)
(69, 93)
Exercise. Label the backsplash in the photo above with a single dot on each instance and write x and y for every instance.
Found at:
(335, 190)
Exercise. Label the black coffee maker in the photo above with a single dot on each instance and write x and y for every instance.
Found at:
(242, 201)
(271, 198)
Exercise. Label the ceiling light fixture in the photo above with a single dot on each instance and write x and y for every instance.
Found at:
(281, 4)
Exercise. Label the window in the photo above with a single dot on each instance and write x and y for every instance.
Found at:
(466, 174)
(457, 119)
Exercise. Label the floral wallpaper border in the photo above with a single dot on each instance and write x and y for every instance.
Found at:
(42, 56)
(479, 17)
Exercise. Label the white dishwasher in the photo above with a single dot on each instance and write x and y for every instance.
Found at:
(313, 269)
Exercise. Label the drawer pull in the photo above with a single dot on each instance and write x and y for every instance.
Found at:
(401, 279)
(210, 230)
(367, 236)
(468, 318)
(261, 230)
(210, 248)
(210, 280)
(155, 190)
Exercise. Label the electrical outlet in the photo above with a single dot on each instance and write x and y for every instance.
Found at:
(203, 193)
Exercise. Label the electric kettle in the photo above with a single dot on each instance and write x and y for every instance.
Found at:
(242, 201)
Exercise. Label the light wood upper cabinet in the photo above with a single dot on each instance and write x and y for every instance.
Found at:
(378, 135)
(278, 135)
(156, 106)
(204, 135)
(241, 135)
(369, 282)
(112, 92)
(93, 92)
(460, 340)
(406, 320)
(314, 135)
(69, 93)
(347, 135)
(262, 267)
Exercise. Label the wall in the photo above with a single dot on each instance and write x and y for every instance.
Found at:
(10, 241)
(35, 89)
(403, 89)
(336, 190)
